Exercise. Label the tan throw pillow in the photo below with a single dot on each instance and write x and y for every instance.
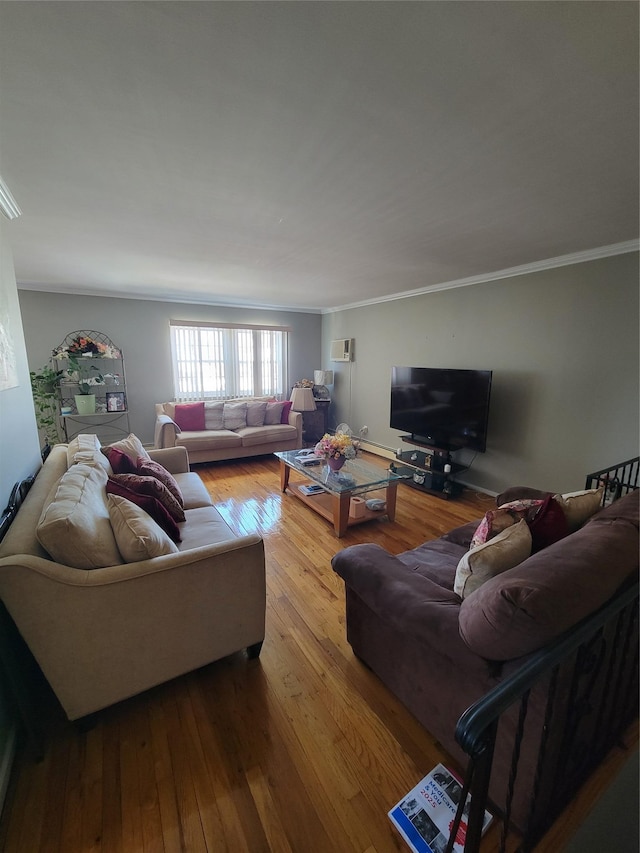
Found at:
(137, 534)
(234, 415)
(579, 506)
(74, 527)
(256, 411)
(131, 445)
(499, 554)
(213, 416)
(273, 415)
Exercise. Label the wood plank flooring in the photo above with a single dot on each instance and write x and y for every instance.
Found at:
(301, 751)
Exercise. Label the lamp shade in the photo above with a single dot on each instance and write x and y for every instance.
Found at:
(302, 400)
(323, 377)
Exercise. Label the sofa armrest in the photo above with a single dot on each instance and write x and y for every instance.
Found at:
(404, 599)
(295, 419)
(165, 431)
(174, 459)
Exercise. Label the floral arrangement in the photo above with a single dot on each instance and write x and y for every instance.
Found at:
(335, 446)
(304, 383)
(83, 345)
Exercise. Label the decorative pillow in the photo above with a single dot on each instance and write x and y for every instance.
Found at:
(286, 408)
(255, 413)
(121, 463)
(579, 506)
(501, 553)
(548, 526)
(234, 415)
(149, 504)
(497, 520)
(74, 527)
(138, 536)
(131, 445)
(273, 415)
(152, 487)
(190, 416)
(213, 416)
(150, 468)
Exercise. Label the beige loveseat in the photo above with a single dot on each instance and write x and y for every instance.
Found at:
(212, 442)
(101, 635)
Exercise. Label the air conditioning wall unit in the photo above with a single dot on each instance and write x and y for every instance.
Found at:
(342, 350)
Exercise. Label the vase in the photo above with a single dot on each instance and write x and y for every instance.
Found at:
(85, 404)
(336, 464)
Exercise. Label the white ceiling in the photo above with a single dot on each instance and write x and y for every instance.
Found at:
(312, 154)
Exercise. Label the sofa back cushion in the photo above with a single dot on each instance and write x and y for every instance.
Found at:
(532, 604)
(74, 527)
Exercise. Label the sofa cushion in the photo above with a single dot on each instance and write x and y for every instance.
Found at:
(521, 493)
(485, 561)
(205, 440)
(234, 415)
(532, 604)
(152, 487)
(213, 416)
(273, 415)
(193, 490)
(149, 504)
(85, 447)
(256, 410)
(138, 536)
(253, 436)
(204, 526)
(579, 506)
(189, 416)
(151, 468)
(74, 527)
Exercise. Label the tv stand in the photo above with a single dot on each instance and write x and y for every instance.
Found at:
(430, 469)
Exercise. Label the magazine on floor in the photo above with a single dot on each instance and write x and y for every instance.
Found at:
(424, 817)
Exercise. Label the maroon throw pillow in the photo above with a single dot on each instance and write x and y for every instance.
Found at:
(150, 468)
(286, 408)
(150, 505)
(548, 526)
(121, 463)
(190, 416)
(152, 487)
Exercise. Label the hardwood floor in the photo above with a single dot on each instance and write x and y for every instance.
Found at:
(301, 751)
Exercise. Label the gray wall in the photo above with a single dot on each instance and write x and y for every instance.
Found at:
(563, 347)
(141, 329)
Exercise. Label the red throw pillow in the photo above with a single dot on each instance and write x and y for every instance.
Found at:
(150, 468)
(121, 463)
(154, 489)
(190, 416)
(548, 526)
(286, 408)
(150, 505)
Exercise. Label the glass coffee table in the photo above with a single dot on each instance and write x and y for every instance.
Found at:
(332, 500)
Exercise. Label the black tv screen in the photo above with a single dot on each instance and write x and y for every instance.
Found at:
(442, 407)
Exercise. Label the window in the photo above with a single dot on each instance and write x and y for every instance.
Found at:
(222, 362)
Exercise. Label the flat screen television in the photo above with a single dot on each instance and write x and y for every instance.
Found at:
(442, 407)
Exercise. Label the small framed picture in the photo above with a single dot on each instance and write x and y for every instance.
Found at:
(116, 401)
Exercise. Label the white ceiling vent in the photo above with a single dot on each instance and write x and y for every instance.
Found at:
(342, 350)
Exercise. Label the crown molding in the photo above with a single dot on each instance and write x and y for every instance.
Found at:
(524, 269)
(8, 204)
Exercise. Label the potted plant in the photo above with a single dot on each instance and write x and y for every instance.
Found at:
(44, 387)
(81, 370)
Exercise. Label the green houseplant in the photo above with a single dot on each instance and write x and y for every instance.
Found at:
(44, 388)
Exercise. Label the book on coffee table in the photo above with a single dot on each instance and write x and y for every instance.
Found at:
(424, 817)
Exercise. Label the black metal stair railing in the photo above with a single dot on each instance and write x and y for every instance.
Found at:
(589, 681)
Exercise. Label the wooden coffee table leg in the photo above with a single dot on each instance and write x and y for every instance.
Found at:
(284, 475)
(340, 504)
(392, 491)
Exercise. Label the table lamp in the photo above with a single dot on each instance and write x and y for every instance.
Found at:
(302, 400)
(322, 378)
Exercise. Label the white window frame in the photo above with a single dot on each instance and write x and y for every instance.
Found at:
(215, 361)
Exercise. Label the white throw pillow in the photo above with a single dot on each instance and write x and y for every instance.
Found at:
(256, 411)
(499, 554)
(213, 416)
(234, 415)
(138, 536)
(273, 415)
(74, 527)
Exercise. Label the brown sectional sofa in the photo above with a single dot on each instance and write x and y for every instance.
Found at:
(103, 634)
(439, 654)
(212, 445)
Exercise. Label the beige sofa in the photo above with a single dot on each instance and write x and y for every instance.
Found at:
(215, 444)
(105, 634)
